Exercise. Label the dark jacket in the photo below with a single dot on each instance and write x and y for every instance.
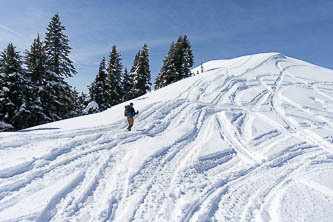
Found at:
(131, 112)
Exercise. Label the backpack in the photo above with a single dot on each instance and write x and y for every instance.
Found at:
(127, 108)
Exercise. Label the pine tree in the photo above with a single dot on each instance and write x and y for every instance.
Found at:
(128, 85)
(178, 59)
(132, 75)
(35, 61)
(37, 72)
(57, 49)
(13, 88)
(177, 64)
(187, 57)
(69, 101)
(61, 100)
(83, 101)
(168, 71)
(51, 97)
(183, 58)
(80, 103)
(99, 90)
(114, 72)
(135, 63)
(142, 75)
(134, 69)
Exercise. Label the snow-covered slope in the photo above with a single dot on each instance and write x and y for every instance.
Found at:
(250, 139)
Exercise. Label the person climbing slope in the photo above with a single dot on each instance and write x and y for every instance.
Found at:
(130, 113)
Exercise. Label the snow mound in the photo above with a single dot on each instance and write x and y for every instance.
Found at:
(249, 139)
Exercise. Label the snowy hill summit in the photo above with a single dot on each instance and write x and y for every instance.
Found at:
(248, 139)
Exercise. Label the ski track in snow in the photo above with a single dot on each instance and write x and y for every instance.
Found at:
(227, 148)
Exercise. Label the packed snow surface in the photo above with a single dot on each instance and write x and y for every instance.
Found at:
(249, 139)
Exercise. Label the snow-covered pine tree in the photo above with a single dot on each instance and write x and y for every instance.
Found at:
(59, 66)
(3, 126)
(131, 75)
(62, 99)
(128, 85)
(158, 81)
(13, 89)
(80, 103)
(142, 75)
(134, 67)
(187, 57)
(168, 71)
(177, 64)
(179, 57)
(99, 90)
(114, 72)
(36, 71)
(183, 58)
(35, 60)
(135, 63)
(83, 101)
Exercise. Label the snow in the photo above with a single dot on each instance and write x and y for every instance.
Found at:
(91, 107)
(5, 89)
(249, 139)
(5, 126)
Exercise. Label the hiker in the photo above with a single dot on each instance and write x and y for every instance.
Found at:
(130, 113)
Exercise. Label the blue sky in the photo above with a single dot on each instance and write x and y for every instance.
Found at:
(217, 29)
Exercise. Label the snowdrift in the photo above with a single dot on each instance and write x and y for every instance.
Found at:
(249, 139)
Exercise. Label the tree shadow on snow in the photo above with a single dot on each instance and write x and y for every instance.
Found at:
(38, 129)
(142, 98)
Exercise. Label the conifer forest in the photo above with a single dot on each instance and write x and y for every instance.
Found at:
(34, 88)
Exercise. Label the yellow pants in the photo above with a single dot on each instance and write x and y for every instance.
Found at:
(130, 121)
